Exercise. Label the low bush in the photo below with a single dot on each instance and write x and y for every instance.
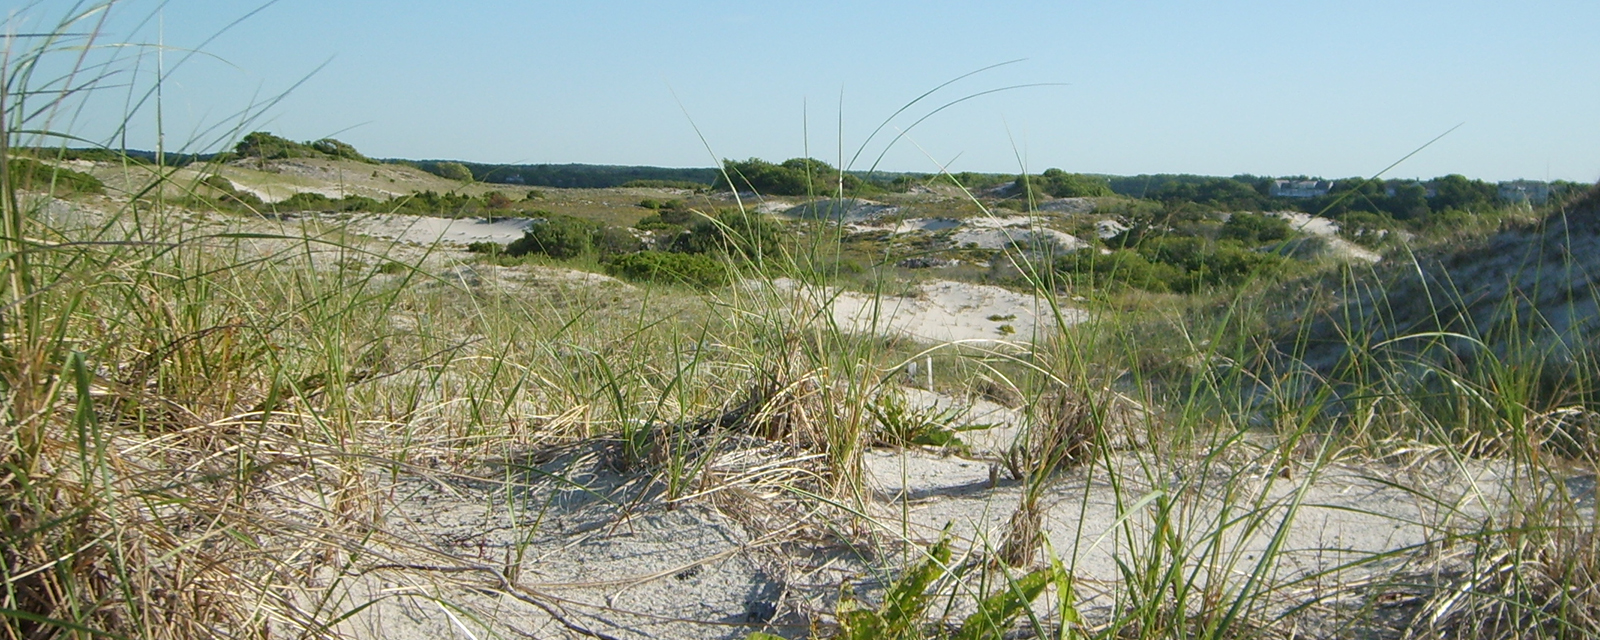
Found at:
(261, 145)
(666, 220)
(1123, 268)
(794, 177)
(450, 170)
(311, 201)
(1253, 229)
(692, 269)
(697, 187)
(34, 175)
(609, 240)
(671, 205)
(556, 236)
(496, 200)
(229, 195)
(741, 234)
(1056, 183)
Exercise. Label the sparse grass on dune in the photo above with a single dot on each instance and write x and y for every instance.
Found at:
(220, 426)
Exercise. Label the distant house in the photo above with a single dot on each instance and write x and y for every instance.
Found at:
(1525, 191)
(1299, 188)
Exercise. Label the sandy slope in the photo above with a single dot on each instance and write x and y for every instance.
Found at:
(564, 546)
(939, 311)
(1536, 281)
(426, 230)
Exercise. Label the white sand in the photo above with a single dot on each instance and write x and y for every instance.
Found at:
(1307, 223)
(843, 209)
(941, 311)
(428, 230)
(1003, 238)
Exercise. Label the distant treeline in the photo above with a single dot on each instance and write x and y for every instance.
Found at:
(573, 176)
(1395, 200)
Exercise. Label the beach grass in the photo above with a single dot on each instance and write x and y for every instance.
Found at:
(207, 416)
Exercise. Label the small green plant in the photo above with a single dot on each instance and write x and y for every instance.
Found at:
(902, 425)
(904, 615)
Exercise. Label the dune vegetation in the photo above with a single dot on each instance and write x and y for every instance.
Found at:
(1031, 407)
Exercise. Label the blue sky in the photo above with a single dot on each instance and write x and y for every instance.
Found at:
(1272, 88)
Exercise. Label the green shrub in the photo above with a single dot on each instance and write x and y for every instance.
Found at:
(336, 149)
(31, 174)
(795, 177)
(692, 269)
(744, 234)
(1253, 229)
(697, 187)
(666, 220)
(1124, 268)
(261, 145)
(609, 240)
(265, 146)
(452, 171)
(1158, 261)
(1060, 184)
(653, 204)
(435, 204)
(310, 201)
(556, 236)
(230, 195)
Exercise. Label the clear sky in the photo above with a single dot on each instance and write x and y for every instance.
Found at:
(1330, 89)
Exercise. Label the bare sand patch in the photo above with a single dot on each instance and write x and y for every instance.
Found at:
(1309, 224)
(940, 311)
(425, 230)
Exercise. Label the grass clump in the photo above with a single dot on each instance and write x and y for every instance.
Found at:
(224, 433)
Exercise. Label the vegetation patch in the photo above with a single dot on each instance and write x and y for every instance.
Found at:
(664, 267)
(33, 175)
(262, 146)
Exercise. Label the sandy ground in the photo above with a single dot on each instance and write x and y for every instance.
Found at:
(427, 230)
(1307, 223)
(564, 546)
(939, 311)
(1000, 233)
(982, 232)
(561, 544)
